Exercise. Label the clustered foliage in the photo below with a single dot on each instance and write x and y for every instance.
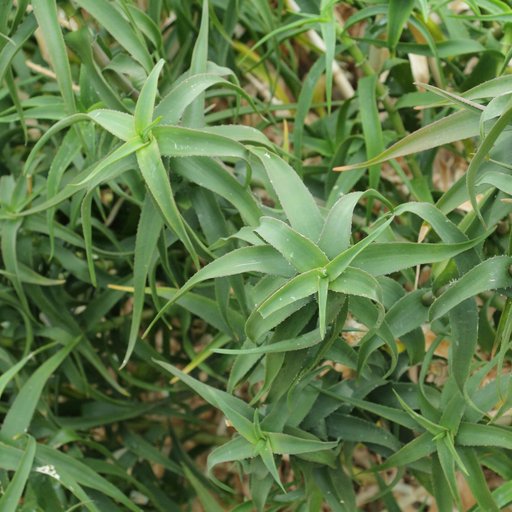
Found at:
(192, 302)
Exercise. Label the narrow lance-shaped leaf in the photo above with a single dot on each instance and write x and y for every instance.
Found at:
(17, 40)
(328, 29)
(458, 126)
(143, 115)
(264, 450)
(68, 150)
(19, 416)
(477, 481)
(354, 281)
(237, 448)
(335, 236)
(491, 274)
(9, 374)
(205, 497)
(117, 123)
(385, 258)
(80, 41)
(455, 98)
(500, 180)
(336, 266)
(483, 150)
(156, 179)
(148, 231)
(262, 259)
(448, 466)
(119, 28)
(128, 148)
(87, 231)
(183, 93)
(323, 290)
(417, 449)
(12, 495)
(299, 287)
(295, 198)
(307, 340)
(301, 252)
(216, 397)
(464, 324)
(180, 141)
(194, 113)
(371, 127)
(210, 174)
(8, 247)
(31, 160)
(398, 14)
(472, 434)
(71, 472)
(48, 20)
(287, 444)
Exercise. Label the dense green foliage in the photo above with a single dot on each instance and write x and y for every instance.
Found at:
(183, 275)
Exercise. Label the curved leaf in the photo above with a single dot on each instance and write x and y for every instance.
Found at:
(491, 274)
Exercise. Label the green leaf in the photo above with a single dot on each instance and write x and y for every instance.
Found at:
(205, 497)
(17, 40)
(112, 20)
(338, 265)
(337, 230)
(301, 252)
(235, 449)
(357, 430)
(185, 91)
(9, 374)
(293, 445)
(385, 258)
(297, 288)
(472, 434)
(264, 450)
(179, 141)
(448, 466)
(143, 115)
(491, 274)
(455, 127)
(328, 30)
(307, 340)
(415, 450)
(236, 410)
(117, 123)
(73, 473)
(354, 281)
(425, 423)
(156, 179)
(476, 480)
(483, 150)
(499, 180)
(85, 210)
(262, 259)
(194, 114)
(455, 98)
(210, 174)
(398, 14)
(80, 41)
(372, 130)
(120, 153)
(296, 200)
(20, 413)
(48, 21)
(12, 495)
(323, 290)
(148, 231)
